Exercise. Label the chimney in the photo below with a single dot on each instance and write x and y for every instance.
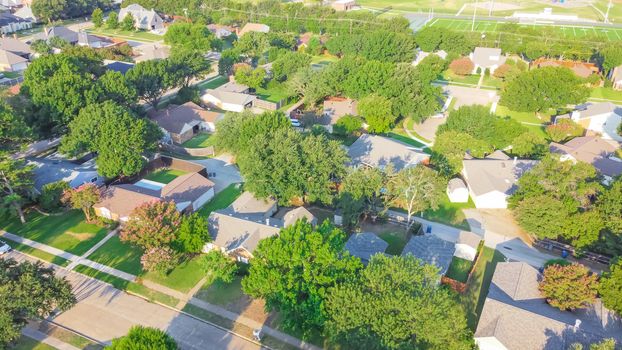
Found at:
(515, 159)
(577, 323)
(267, 221)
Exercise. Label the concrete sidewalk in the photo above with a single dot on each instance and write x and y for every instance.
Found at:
(46, 339)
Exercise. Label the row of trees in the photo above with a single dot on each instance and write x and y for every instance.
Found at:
(52, 10)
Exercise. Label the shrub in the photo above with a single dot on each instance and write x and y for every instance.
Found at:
(487, 72)
(140, 337)
(348, 124)
(462, 66)
(186, 94)
(611, 287)
(569, 287)
(502, 70)
(563, 130)
(52, 194)
(162, 260)
(220, 266)
(560, 262)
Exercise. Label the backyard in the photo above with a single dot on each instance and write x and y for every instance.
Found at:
(528, 119)
(606, 94)
(164, 176)
(273, 92)
(395, 235)
(459, 269)
(68, 231)
(200, 140)
(213, 83)
(222, 200)
(450, 213)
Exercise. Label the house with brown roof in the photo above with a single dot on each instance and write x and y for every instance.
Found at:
(381, 152)
(581, 69)
(343, 5)
(10, 62)
(254, 27)
(189, 191)
(181, 123)
(237, 229)
(147, 52)
(337, 107)
(593, 150)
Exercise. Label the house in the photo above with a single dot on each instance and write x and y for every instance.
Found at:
(486, 58)
(93, 41)
(602, 118)
(467, 245)
(457, 191)
(237, 229)
(220, 31)
(26, 14)
(593, 150)
(190, 191)
(422, 54)
(231, 97)
(378, 152)
(62, 32)
(516, 316)
(254, 27)
(10, 23)
(364, 245)
(337, 107)
(143, 19)
(431, 250)
(149, 52)
(16, 46)
(343, 5)
(493, 179)
(616, 78)
(181, 123)
(10, 62)
(580, 69)
(55, 168)
(303, 40)
(118, 66)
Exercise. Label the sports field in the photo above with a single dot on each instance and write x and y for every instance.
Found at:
(570, 32)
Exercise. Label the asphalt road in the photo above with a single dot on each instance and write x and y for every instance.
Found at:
(104, 313)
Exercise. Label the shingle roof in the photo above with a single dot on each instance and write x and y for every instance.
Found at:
(186, 188)
(490, 175)
(235, 98)
(247, 204)
(232, 232)
(61, 32)
(254, 27)
(152, 52)
(517, 315)
(118, 66)
(487, 57)
(89, 40)
(431, 250)
(174, 118)
(7, 18)
(592, 150)
(379, 152)
(52, 170)
(455, 184)
(592, 109)
(364, 245)
(123, 199)
(15, 46)
(299, 213)
(9, 58)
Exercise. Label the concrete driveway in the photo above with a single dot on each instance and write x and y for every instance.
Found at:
(466, 96)
(227, 172)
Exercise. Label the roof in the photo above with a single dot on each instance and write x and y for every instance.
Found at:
(469, 238)
(141, 15)
(175, 118)
(303, 39)
(152, 52)
(518, 316)
(233, 87)
(15, 46)
(118, 66)
(235, 98)
(456, 184)
(582, 69)
(232, 232)
(123, 199)
(9, 58)
(364, 245)
(87, 39)
(379, 152)
(247, 203)
(25, 13)
(495, 175)
(186, 188)
(593, 150)
(254, 27)
(593, 109)
(48, 170)
(337, 107)
(299, 213)
(7, 19)
(431, 250)
(487, 57)
(61, 32)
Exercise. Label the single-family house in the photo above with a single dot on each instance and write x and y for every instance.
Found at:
(493, 179)
(62, 32)
(580, 69)
(431, 250)
(149, 52)
(10, 23)
(10, 62)
(55, 168)
(143, 19)
(181, 123)
(616, 77)
(486, 58)
(364, 245)
(517, 317)
(467, 245)
(93, 41)
(336, 107)
(254, 27)
(231, 97)
(189, 191)
(380, 152)
(594, 150)
(457, 191)
(422, 54)
(237, 229)
(26, 14)
(220, 31)
(118, 66)
(303, 40)
(343, 5)
(16, 46)
(601, 118)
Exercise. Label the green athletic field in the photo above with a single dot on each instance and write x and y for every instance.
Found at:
(570, 32)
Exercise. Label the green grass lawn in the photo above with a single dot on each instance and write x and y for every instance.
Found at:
(527, 117)
(164, 175)
(471, 79)
(492, 81)
(36, 253)
(221, 293)
(396, 240)
(125, 34)
(477, 289)
(607, 94)
(459, 269)
(25, 343)
(450, 213)
(185, 276)
(213, 83)
(324, 59)
(274, 93)
(222, 200)
(68, 232)
(400, 135)
(200, 140)
(119, 255)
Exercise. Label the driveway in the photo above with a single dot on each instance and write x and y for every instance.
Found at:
(104, 313)
(227, 172)
(466, 96)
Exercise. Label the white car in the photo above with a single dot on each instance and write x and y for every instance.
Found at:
(4, 248)
(295, 123)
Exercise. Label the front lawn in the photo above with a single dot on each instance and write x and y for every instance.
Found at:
(221, 293)
(403, 138)
(459, 269)
(119, 255)
(37, 253)
(68, 231)
(528, 119)
(607, 94)
(200, 140)
(164, 176)
(25, 343)
(492, 81)
(185, 276)
(471, 79)
(222, 199)
(126, 34)
(450, 213)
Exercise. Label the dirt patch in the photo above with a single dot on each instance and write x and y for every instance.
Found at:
(80, 236)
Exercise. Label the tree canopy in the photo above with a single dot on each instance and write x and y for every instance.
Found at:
(16, 185)
(610, 289)
(144, 338)
(568, 287)
(189, 36)
(375, 45)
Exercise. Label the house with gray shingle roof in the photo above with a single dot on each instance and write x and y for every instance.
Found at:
(62, 32)
(143, 19)
(601, 118)
(593, 150)
(364, 245)
(380, 152)
(486, 58)
(516, 316)
(181, 123)
(431, 250)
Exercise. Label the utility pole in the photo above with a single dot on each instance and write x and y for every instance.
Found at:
(607, 14)
(492, 4)
(474, 12)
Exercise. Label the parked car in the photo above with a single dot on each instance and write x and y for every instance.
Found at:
(296, 123)
(4, 248)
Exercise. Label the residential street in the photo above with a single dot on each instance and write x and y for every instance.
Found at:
(103, 313)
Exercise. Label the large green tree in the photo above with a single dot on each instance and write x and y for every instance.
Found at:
(377, 111)
(610, 289)
(610, 207)
(120, 138)
(16, 185)
(151, 79)
(236, 130)
(450, 148)
(29, 291)
(361, 193)
(13, 129)
(189, 36)
(538, 90)
(294, 271)
(187, 65)
(144, 338)
(289, 63)
(397, 303)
